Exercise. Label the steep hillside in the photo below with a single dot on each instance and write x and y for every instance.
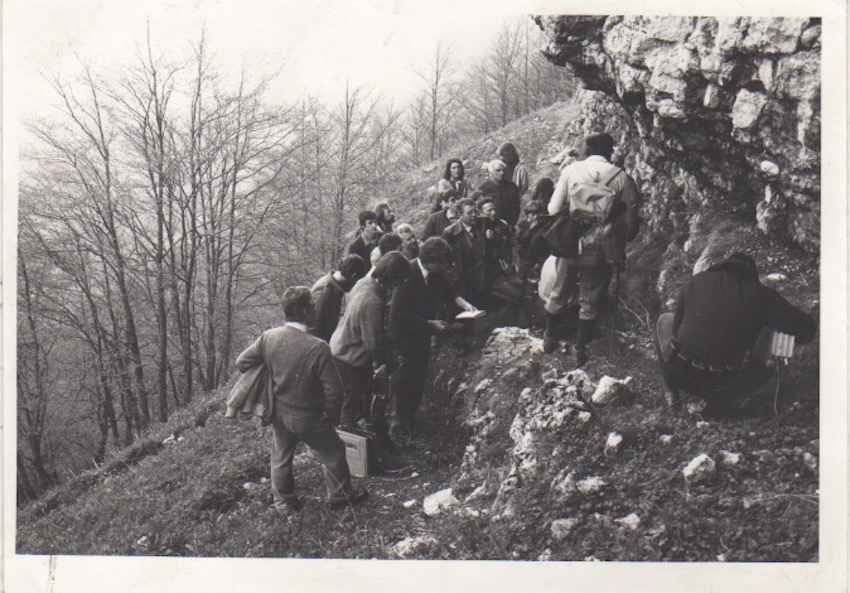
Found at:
(197, 485)
(538, 137)
(517, 460)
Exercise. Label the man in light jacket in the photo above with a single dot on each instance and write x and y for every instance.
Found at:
(307, 395)
(590, 273)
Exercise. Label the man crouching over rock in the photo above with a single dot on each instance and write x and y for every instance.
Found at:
(708, 346)
(307, 395)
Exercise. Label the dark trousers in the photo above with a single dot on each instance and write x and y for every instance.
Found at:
(358, 387)
(318, 433)
(682, 375)
(408, 385)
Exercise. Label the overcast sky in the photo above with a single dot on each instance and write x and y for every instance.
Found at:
(320, 43)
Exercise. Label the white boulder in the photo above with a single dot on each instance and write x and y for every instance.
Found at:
(630, 521)
(561, 528)
(612, 445)
(729, 458)
(590, 485)
(699, 469)
(610, 389)
(411, 546)
(439, 501)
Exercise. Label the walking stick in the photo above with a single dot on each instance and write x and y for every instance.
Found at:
(616, 304)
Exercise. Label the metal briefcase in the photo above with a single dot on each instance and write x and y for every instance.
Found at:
(359, 452)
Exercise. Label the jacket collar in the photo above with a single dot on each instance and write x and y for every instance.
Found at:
(422, 270)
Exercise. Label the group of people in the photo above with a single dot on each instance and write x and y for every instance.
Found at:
(366, 328)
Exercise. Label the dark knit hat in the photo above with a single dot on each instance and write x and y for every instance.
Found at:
(391, 269)
(601, 144)
(352, 266)
(389, 242)
(435, 250)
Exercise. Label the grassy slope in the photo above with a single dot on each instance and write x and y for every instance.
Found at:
(204, 495)
(188, 497)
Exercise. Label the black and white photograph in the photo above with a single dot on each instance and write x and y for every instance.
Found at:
(485, 296)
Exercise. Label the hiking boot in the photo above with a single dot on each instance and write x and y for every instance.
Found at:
(288, 507)
(550, 344)
(354, 497)
(581, 356)
(400, 433)
(583, 336)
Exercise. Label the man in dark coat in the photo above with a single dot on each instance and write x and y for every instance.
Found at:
(706, 346)
(503, 191)
(367, 236)
(531, 250)
(499, 239)
(307, 395)
(328, 291)
(412, 322)
(467, 238)
(440, 220)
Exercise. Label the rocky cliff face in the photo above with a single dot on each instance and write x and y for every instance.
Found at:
(718, 120)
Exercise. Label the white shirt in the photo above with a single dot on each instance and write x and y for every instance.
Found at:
(423, 270)
(298, 325)
(592, 165)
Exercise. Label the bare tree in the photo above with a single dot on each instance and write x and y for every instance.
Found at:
(512, 80)
(432, 112)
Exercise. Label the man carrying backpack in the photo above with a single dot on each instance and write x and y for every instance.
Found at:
(603, 201)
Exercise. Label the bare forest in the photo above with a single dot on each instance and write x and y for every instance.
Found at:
(164, 204)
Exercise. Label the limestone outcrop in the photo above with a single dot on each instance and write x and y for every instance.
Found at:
(718, 120)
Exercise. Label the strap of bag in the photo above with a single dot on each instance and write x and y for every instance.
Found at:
(611, 175)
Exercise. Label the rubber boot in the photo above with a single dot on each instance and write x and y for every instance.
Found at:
(550, 343)
(583, 334)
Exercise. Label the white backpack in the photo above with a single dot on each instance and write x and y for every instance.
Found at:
(591, 201)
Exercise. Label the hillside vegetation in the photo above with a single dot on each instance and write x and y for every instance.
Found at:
(529, 461)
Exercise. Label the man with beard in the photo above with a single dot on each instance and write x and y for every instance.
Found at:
(385, 216)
